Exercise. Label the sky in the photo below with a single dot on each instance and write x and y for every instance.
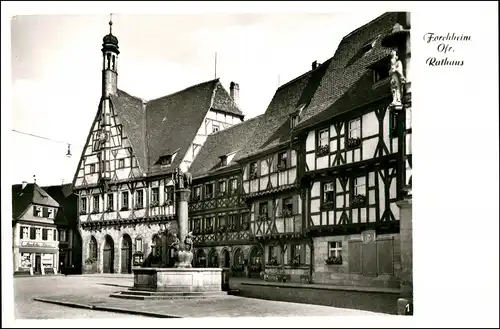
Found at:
(57, 60)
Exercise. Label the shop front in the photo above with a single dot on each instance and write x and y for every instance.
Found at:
(38, 258)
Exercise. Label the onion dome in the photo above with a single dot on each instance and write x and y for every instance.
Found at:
(110, 42)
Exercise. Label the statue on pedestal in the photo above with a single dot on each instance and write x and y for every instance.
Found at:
(397, 78)
(183, 179)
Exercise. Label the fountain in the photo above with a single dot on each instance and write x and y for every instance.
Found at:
(182, 280)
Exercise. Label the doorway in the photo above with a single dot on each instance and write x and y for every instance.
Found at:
(38, 264)
(226, 260)
(126, 254)
(108, 255)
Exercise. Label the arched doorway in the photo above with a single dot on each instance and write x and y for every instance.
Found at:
(213, 259)
(108, 255)
(238, 262)
(255, 262)
(226, 259)
(201, 258)
(126, 254)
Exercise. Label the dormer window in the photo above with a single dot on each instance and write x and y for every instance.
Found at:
(223, 161)
(380, 73)
(166, 160)
(282, 160)
(294, 120)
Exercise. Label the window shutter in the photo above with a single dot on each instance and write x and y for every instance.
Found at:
(32, 233)
(54, 235)
(274, 166)
(21, 232)
(295, 204)
(45, 212)
(34, 210)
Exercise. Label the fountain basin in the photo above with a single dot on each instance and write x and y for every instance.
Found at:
(178, 279)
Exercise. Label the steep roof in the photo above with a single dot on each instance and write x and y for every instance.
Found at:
(32, 193)
(67, 200)
(130, 110)
(274, 128)
(346, 83)
(224, 142)
(169, 124)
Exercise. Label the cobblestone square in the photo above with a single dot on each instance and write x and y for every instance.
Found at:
(95, 290)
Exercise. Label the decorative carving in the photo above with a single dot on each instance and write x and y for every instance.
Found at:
(368, 236)
(188, 241)
(397, 78)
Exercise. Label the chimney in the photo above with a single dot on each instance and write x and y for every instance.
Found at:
(314, 65)
(234, 91)
(24, 184)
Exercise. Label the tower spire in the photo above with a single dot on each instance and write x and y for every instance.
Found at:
(110, 22)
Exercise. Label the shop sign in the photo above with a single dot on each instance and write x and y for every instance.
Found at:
(37, 244)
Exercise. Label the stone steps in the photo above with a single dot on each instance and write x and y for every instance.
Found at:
(148, 295)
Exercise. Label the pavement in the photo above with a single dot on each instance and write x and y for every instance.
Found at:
(47, 297)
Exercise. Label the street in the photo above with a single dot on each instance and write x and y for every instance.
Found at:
(27, 288)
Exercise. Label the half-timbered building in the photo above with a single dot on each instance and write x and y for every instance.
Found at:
(124, 178)
(270, 182)
(218, 215)
(353, 154)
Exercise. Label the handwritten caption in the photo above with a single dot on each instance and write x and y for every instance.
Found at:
(444, 47)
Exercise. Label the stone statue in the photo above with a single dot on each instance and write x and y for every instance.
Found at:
(188, 241)
(183, 179)
(397, 78)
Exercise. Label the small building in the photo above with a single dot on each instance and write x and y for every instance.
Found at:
(35, 239)
(70, 241)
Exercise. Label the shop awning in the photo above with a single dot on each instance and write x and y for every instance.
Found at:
(38, 250)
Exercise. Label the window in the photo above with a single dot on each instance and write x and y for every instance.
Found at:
(380, 73)
(197, 193)
(83, 205)
(323, 136)
(223, 161)
(96, 203)
(282, 160)
(209, 222)
(215, 127)
(139, 199)
(169, 193)
(62, 236)
(233, 185)
(295, 254)
(355, 128)
(222, 220)
(38, 233)
(209, 191)
(32, 233)
(121, 163)
(37, 211)
(294, 121)
(92, 168)
(263, 211)
(166, 160)
(335, 249)
(45, 234)
(93, 248)
(253, 170)
(50, 212)
(222, 187)
(155, 191)
(272, 257)
(360, 186)
(287, 207)
(328, 192)
(125, 200)
(50, 235)
(110, 202)
(138, 245)
(24, 232)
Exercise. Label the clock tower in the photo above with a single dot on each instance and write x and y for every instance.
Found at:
(109, 88)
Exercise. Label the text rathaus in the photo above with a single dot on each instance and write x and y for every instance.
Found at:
(311, 189)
